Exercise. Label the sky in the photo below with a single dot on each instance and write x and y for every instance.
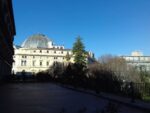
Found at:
(115, 27)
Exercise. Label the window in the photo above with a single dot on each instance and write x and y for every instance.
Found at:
(47, 51)
(40, 63)
(40, 51)
(24, 56)
(33, 56)
(55, 57)
(47, 63)
(54, 51)
(131, 58)
(34, 51)
(61, 52)
(23, 62)
(135, 58)
(55, 63)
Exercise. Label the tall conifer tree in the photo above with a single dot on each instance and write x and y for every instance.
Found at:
(79, 52)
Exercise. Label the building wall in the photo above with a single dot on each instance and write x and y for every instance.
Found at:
(36, 60)
(141, 62)
(7, 32)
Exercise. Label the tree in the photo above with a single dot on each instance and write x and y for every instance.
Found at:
(144, 74)
(67, 57)
(120, 68)
(79, 67)
(56, 70)
(79, 52)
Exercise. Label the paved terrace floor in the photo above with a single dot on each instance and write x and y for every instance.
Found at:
(51, 98)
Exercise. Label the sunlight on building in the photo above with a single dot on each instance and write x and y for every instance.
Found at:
(38, 53)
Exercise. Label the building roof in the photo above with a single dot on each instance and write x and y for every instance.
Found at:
(37, 41)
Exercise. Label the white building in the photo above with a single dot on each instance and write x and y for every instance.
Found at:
(138, 60)
(38, 53)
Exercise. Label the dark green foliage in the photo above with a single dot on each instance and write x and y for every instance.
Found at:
(68, 57)
(79, 52)
(58, 69)
(79, 68)
(68, 71)
(144, 75)
(43, 77)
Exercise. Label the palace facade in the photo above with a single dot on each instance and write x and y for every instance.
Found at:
(38, 53)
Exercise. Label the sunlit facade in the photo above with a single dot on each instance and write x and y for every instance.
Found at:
(38, 53)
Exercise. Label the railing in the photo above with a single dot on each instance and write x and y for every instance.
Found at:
(127, 89)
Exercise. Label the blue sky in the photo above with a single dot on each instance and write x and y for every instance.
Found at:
(115, 27)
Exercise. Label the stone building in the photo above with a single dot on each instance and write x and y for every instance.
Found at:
(38, 53)
(7, 32)
(138, 60)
